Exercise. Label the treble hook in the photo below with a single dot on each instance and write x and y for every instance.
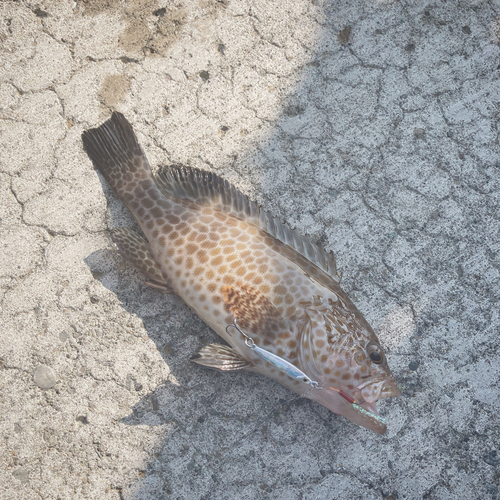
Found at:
(248, 340)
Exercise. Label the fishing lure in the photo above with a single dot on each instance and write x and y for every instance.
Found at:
(279, 363)
(293, 372)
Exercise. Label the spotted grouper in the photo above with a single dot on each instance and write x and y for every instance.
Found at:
(236, 265)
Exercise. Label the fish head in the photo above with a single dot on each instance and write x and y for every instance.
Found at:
(358, 383)
(346, 359)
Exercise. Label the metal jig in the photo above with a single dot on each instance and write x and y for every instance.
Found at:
(279, 363)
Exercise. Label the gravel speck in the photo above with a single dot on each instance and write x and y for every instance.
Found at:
(22, 475)
(413, 365)
(44, 377)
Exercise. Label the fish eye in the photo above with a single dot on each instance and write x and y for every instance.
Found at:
(375, 353)
(304, 379)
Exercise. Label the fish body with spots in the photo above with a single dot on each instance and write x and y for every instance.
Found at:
(234, 264)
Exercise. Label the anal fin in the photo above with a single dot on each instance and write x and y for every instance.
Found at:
(221, 357)
(135, 251)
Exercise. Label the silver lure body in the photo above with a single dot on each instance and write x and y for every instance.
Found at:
(279, 363)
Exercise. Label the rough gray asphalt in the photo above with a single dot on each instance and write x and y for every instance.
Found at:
(370, 125)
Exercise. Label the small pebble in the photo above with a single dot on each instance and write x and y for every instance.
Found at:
(44, 377)
(82, 419)
(419, 133)
(344, 35)
(413, 365)
(22, 475)
(491, 458)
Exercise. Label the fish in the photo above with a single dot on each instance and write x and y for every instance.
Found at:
(235, 264)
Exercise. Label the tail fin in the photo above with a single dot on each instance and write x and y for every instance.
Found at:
(115, 152)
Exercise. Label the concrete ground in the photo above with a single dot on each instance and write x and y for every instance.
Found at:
(370, 125)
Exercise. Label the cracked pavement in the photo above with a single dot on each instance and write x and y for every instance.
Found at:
(370, 125)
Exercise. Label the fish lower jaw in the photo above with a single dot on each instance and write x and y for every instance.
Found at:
(372, 415)
(369, 410)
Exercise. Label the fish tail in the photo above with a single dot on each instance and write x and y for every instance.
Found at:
(115, 152)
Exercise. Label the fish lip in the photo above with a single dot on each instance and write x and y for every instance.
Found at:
(364, 384)
(370, 406)
(389, 388)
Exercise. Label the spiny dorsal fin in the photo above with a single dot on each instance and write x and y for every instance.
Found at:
(207, 188)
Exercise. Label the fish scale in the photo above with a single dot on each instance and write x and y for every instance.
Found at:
(230, 261)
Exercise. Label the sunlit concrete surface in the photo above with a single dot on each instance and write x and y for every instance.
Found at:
(371, 126)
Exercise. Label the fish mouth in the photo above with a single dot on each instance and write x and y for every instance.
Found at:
(359, 406)
(377, 389)
(367, 407)
(360, 413)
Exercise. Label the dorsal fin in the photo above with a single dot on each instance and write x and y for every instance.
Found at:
(207, 188)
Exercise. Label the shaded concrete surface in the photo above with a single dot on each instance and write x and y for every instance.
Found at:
(371, 126)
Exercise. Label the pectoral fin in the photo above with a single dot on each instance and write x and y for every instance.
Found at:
(135, 251)
(221, 357)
